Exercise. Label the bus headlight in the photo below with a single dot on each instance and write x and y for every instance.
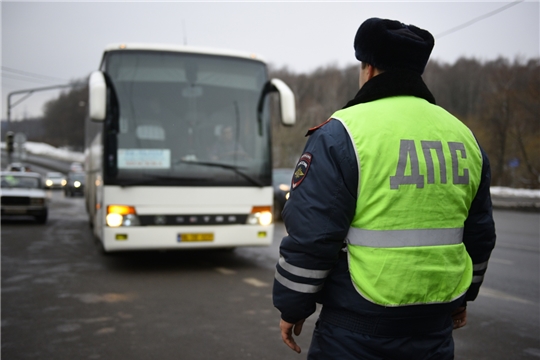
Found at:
(260, 215)
(121, 215)
(114, 220)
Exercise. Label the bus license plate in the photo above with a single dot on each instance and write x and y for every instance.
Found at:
(195, 237)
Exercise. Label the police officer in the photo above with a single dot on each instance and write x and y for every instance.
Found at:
(389, 221)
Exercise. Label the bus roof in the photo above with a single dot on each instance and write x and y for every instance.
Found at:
(182, 48)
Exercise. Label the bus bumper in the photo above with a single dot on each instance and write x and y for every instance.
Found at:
(185, 237)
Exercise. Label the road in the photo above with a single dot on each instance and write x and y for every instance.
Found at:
(504, 321)
(61, 299)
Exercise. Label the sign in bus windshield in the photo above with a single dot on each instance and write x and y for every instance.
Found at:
(144, 158)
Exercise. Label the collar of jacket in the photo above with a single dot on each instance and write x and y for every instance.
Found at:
(392, 83)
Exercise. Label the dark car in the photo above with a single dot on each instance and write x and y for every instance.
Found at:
(76, 167)
(75, 184)
(281, 180)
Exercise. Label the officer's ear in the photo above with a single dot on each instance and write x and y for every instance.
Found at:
(367, 72)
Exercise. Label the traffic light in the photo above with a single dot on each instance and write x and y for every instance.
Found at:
(9, 141)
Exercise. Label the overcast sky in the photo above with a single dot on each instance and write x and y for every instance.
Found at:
(50, 43)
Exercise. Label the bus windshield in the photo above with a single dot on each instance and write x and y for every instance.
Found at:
(188, 119)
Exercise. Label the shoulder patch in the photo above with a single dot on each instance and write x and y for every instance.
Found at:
(301, 169)
(313, 129)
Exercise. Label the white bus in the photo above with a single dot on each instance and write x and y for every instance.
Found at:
(178, 148)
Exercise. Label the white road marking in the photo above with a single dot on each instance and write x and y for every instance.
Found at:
(501, 295)
(256, 282)
(225, 271)
(107, 298)
(106, 330)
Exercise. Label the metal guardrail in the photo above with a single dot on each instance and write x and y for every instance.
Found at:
(516, 203)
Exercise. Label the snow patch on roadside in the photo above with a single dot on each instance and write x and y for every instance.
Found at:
(53, 152)
(509, 192)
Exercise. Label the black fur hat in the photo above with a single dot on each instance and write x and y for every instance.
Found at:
(390, 44)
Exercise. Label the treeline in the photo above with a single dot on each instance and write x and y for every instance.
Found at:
(31, 127)
(63, 119)
(498, 100)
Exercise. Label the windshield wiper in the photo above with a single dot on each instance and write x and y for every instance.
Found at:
(236, 169)
(172, 177)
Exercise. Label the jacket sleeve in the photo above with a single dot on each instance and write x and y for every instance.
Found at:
(317, 217)
(479, 232)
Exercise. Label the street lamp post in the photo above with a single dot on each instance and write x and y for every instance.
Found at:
(28, 92)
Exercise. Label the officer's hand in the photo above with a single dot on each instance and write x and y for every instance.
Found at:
(459, 317)
(286, 333)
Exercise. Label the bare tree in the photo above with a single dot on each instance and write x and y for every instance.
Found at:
(498, 100)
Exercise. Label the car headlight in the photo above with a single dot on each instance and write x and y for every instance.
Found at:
(48, 182)
(260, 215)
(121, 215)
(64, 182)
(77, 184)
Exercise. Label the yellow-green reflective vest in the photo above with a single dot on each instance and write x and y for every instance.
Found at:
(419, 170)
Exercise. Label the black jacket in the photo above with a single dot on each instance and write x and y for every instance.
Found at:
(313, 265)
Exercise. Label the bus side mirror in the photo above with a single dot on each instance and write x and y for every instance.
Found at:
(97, 96)
(286, 100)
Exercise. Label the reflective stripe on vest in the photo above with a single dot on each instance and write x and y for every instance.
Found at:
(419, 170)
(404, 238)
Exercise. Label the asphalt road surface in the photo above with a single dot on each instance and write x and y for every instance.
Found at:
(504, 321)
(61, 299)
